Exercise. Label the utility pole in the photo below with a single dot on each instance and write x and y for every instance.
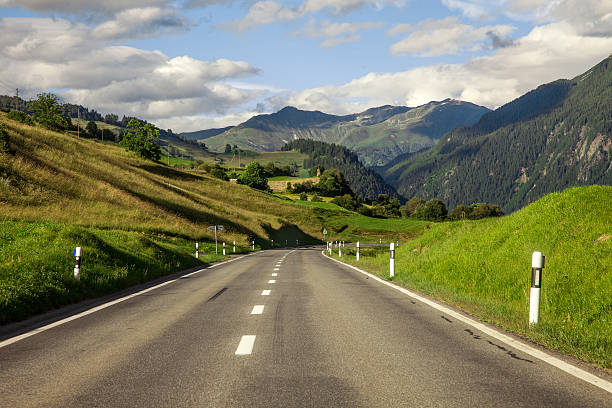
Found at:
(78, 122)
(17, 92)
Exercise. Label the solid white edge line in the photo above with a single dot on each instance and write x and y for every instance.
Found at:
(257, 309)
(245, 346)
(30, 333)
(560, 364)
(265, 292)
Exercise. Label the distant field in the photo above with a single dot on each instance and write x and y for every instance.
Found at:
(279, 184)
(484, 267)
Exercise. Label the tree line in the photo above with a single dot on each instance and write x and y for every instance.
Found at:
(362, 180)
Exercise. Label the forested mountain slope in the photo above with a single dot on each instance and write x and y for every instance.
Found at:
(554, 137)
(377, 135)
(363, 181)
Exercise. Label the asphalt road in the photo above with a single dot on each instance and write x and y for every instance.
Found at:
(326, 336)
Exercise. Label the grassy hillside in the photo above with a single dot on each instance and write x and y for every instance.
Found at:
(554, 137)
(135, 219)
(484, 267)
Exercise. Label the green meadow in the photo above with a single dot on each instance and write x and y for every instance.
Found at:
(484, 267)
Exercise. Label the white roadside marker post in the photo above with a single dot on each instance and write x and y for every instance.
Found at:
(339, 250)
(392, 260)
(253, 244)
(537, 264)
(197, 247)
(272, 243)
(357, 251)
(77, 263)
(223, 247)
(234, 246)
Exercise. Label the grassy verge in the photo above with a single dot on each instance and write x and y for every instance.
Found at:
(484, 267)
(36, 263)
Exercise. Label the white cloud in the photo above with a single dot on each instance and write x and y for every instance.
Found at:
(42, 54)
(262, 12)
(141, 22)
(472, 9)
(82, 6)
(335, 33)
(192, 123)
(587, 17)
(442, 37)
(267, 12)
(547, 53)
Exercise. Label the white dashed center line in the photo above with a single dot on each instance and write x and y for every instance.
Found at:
(246, 345)
(277, 269)
(257, 309)
(272, 281)
(275, 274)
(266, 292)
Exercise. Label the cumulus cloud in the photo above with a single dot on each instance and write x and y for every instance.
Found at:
(442, 37)
(335, 33)
(547, 53)
(192, 123)
(472, 9)
(82, 6)
(262, 12)
(587, 17)
(141, 22)
(41, 54)
(266, 12)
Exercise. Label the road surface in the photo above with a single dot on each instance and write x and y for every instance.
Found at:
(279, 328)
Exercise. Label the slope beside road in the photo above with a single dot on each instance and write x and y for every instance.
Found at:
(281, 328)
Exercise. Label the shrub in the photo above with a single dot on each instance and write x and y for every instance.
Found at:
(348, 201)
(4, 139)
(411, 206)
(21, 117)
(433, 210)
(303, 196)
(315, 198)
(254, 177)
(219, 173)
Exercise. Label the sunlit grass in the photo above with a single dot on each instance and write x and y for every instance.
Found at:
(484, 267)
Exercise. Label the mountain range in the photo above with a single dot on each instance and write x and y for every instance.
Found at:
(554, 137)
(377, 135)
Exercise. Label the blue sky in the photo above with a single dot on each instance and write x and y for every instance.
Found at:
(196, 64)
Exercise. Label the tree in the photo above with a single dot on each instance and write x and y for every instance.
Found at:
(411, 206)
(433, 210)
(254, 176)
(4, 139)
(47, 111)
(461, 212)
(111, 118)
(332, 183)
(141, 138)
(219, 173)
(228, 148)
(92, 129)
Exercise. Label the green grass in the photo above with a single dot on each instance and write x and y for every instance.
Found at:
(36, 263)
(484, 267)
(283, 178)
(135, 219)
